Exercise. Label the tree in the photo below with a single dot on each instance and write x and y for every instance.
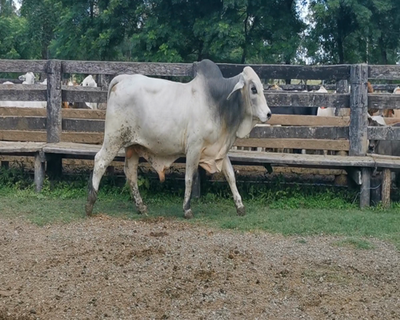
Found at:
(14, 40)
(353, 31)
(41, 17)
(384, 33)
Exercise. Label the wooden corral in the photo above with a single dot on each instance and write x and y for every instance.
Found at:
(339, 143)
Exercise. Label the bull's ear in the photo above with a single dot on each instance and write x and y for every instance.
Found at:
(238, 86)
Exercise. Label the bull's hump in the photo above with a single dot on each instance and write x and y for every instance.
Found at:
(208, 69)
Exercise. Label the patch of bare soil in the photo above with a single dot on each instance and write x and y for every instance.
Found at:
(106, 268)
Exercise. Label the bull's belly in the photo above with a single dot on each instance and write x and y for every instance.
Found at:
(160, 161)
(158, 148)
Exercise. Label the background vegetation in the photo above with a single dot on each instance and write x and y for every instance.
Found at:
(238, 31)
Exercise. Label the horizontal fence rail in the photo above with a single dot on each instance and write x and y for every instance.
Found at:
(352, 129)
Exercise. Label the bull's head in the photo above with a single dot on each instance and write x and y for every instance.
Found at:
(253, 94)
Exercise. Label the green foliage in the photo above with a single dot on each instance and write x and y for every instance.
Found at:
(354, 31)
(14, 39)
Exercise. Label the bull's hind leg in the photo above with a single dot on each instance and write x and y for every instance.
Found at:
(130, 169)
(102, 160)
(192, 163)
(227, 169)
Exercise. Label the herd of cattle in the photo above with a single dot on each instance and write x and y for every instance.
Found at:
(201, 121)
(29, 79)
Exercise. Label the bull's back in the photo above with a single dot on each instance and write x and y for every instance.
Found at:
(154, 113)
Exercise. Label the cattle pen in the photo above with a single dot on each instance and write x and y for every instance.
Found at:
(339, 142)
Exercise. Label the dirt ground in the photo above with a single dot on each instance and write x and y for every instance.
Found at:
(109, 268)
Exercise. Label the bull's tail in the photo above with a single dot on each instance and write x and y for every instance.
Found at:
(113, 83)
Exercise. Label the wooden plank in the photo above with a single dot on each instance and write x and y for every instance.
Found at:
(384, 101)
(331, 87)
(83, 94)
(302, 99)
(383, 161)
(78, 125)
(23, 92)
(358, 106)
(384, 87)
(313, 171)
(114, 68)
(265, 71)
(20, 147)
(383, 133)
(332, 133)
(22, 66)
(301, 160)
(24, 135)
(309, 144)
(298, 120)
(76, 149)
(386, 72)
(41, 112)
(84, 114)
(82, 137)
(300, 87)
(22, 112)
(22, 123)
(391, 121)
(54, 116)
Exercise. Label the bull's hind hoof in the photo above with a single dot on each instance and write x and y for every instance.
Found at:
(89, 209)
(142, 209)
(188, 214)
(241, 211)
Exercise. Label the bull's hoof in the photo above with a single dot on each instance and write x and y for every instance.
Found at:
(89, 209)
(188, 214)
(142, 209)
(241, 211)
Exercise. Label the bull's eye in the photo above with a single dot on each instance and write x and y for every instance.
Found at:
(254, 90)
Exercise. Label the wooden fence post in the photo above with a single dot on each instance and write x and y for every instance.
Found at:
(54, 115)
(386, 181)
(39, 170)
(54, 101)
(359, 124)
(342, 86)
(358, 110)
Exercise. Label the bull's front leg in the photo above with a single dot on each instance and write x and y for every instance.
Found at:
(192, 163)
(227, 169)
(101, 161)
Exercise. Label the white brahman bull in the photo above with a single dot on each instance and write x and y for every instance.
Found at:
(161, 121)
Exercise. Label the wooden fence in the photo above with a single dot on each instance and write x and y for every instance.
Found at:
(345, 135)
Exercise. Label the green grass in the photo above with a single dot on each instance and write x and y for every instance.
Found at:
(276, 209)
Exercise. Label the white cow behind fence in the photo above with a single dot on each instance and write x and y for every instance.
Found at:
(28, 79)
(90, 82)
(324, 111)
